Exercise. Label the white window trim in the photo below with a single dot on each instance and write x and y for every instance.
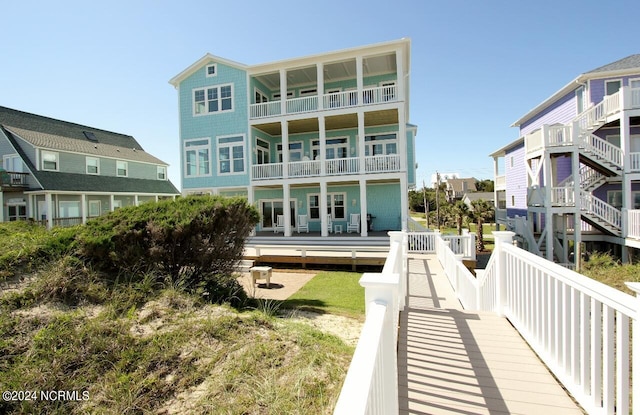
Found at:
(334, 146)
(264, 96)
(259, 149)
(369, 144)
(206, 101)
(184, 154)
(163, 170)
(331, 205)
(610, 81)
(56, 154)
(97, 159)
(279, 152)
(5, 163)
(276, 95)
(94, 203)
(230, 146)
(126, 168)
(215, 70)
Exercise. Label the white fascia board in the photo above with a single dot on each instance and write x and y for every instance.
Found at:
(175, 81)
(501, 152)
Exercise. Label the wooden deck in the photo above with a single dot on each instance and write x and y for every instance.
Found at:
(452, 361)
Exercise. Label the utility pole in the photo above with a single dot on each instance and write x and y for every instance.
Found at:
(438, 199)
(426, 206)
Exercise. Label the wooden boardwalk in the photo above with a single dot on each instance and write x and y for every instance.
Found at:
(452, 361)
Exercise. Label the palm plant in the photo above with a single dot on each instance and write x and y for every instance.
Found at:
(460, 211)
(481, 211)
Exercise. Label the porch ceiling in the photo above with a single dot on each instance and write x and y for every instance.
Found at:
(333, 71)
(336, 122)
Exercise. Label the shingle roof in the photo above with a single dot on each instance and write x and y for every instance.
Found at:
(63, 135)
(630, 62)
(108, 184)
(57, 142)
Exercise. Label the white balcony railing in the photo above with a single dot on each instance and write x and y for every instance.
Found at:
(634, 161)
(267, 171)
(343, 166)
(633, 223)
(303, 104)
(562, 196)
(382, 163)
(501, 182)
(305, 168)
(334, 100)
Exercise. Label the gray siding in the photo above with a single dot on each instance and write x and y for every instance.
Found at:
(76, 163)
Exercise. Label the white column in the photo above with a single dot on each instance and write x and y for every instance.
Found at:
(402, 138)
(111, 202)
(404, 202)
(323, 145)
(361, 142)
(286, 201)
(548, 183)
(400, 74)
(285, 148)
(359, 79)
(363, 208)
(250, 195)
(136, 201)
(83, 201)
(323, 209)
(577, 225)
(49, 202)
(283, 91)
(2, 206)
(320, 78)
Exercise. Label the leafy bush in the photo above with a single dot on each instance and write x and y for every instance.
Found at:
(197, 239)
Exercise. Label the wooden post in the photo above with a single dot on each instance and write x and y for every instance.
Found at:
(501, 238)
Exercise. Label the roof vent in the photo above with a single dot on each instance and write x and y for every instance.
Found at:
(90, 136)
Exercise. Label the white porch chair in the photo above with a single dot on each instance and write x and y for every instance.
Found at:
(329, 224)
(303, 223)
(354, 223)
(279, 224)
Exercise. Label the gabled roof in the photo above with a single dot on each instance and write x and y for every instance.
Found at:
(458, 184)
(630, 62)
(45, 132)
(199, 63)
(628, 65)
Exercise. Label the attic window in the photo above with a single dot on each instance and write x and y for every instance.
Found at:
(90, 136)
(212, 70)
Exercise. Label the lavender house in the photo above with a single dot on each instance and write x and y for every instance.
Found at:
(572, 178)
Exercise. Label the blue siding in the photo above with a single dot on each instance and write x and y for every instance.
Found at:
(214, 125)
(561, 111)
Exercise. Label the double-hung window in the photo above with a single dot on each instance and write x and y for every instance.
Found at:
(93, 165)
(50, 161)
(122, 168)
(212, 99)
(196, 156)
(231, 155)
(162, 172)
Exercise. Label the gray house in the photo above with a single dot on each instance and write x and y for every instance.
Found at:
(63, 173)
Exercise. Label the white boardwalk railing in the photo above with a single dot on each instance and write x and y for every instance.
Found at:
(581, 329)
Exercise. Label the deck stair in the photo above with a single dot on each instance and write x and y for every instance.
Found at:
(601, 214)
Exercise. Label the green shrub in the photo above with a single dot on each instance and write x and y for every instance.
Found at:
(197, 239)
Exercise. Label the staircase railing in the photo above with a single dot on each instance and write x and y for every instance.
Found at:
(602, 148)
(589, 177)
(601, 209)
(595, 117)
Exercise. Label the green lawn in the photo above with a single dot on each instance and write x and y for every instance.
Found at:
(332, 293)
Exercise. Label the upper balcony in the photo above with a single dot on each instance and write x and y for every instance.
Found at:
(330, 101)
(342, 82)
(10, 180)
(333, 167)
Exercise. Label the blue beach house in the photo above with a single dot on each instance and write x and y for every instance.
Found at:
(319, 144)
(571, 181)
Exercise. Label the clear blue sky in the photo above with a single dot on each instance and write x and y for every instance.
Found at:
(477, 66)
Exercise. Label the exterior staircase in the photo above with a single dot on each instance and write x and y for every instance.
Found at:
(600, 214)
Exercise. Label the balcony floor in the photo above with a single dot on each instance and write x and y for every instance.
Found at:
(452, 361)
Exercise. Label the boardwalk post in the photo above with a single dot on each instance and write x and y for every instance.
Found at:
(635, 336)
(501, 237)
